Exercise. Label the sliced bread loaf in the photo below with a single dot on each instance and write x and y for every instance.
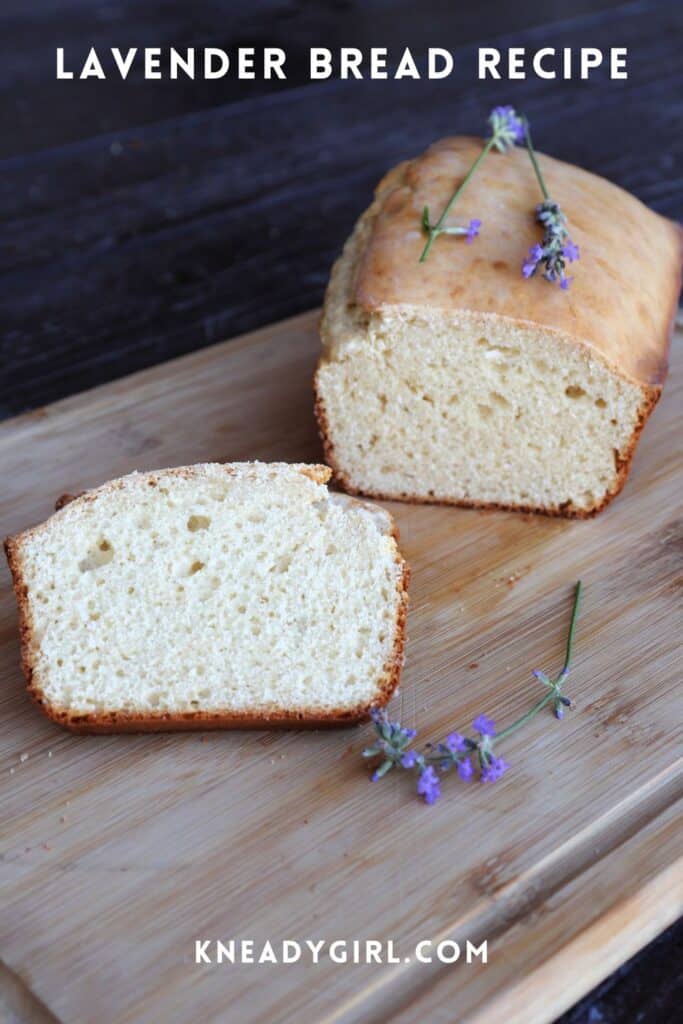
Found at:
(211, 596)
(457, 380)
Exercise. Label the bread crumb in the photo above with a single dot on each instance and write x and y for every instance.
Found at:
(23, 758)
(329, 558)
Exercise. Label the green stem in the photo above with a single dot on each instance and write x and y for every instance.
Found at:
(550, 695)
(572, 628)
(556, 688)
(435, 231)
(553, 692)
(532, 157)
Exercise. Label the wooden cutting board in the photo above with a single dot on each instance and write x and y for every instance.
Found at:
(118, 852)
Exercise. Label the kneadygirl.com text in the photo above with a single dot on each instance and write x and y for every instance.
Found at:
(336, 951)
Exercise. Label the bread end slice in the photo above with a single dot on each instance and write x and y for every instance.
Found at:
(211, 597)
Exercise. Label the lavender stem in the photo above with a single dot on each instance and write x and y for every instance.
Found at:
(532, 157)
(436, 229)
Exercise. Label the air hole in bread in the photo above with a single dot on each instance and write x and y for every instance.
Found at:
(282, 564)
(100, 554)
(195, 523)
(574, 391)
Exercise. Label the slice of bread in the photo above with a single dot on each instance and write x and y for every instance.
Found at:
(214, 595)
(456, 380)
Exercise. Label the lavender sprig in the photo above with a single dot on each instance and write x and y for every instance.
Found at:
(507, 129)
(465, 752)
(556, 248)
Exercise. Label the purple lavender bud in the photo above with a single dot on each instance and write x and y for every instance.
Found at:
(456, 742)
(566, 701)
(409, 759)
(506, 127)
(494, 769)
(536, 254)
(428, 785)
(559, 711)
(484, 726)
(565, 282)
(541, 676)
(570, 251)
(465, 769)
(385, 767)
(378, 715)
(410, 733)
(472, 231)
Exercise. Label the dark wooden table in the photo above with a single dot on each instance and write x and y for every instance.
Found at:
(141, 220)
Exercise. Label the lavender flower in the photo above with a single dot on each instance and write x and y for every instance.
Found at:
(392, 740)
(561, 702)
(507, 128)
(472, 231)
(534, 258)
(464, 753)
(428, 785)
(483, 725)
(556, 248)
(570, 251)
(456, 742)
(493, 769)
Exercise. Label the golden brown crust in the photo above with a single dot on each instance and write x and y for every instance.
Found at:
(124, 721)
(567, 510)
(625, 288)
(379, 274)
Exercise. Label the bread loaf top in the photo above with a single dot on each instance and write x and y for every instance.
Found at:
(625, 288)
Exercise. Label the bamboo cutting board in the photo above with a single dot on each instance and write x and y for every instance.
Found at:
(118, 852)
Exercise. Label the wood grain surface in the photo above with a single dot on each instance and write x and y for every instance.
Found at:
(118, 852)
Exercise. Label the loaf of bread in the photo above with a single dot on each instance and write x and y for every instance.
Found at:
(211, 596)
(457, 380)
